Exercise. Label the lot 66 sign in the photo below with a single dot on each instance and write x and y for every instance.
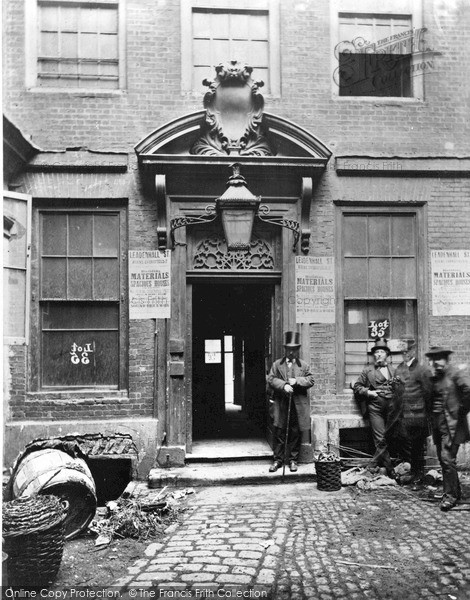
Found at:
(379, 328)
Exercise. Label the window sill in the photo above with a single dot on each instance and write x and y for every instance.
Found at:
(391, 100)
(86, 92)
(79, 395)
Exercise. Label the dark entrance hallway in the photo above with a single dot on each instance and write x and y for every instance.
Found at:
(231, 356)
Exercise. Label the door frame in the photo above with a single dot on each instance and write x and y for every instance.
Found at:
(273, 280)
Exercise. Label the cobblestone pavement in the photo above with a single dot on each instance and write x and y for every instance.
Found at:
(384, 544)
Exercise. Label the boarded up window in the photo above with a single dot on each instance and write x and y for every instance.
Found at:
(374, 54)
(221, 35)
(78, 44)
(379, 281)
(16, 242)
(80, 288)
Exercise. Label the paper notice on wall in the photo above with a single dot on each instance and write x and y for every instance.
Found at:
(314, 289)
(450, 279)
(149, 284)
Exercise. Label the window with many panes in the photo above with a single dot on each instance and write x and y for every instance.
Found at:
(76, 44)
(216, 32)
(380, 281)
(374, 55)
(81, 283)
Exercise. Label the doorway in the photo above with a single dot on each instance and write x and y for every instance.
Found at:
(231, 355)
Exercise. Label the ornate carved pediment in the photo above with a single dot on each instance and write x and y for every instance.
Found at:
(234, 114)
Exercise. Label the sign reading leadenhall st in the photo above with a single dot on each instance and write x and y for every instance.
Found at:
(233, 188)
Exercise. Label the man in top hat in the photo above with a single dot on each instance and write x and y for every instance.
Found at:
(450, 403)
(383, 393)
(289, 379)
(417, 379)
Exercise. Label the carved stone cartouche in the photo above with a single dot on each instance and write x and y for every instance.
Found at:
(234, 114)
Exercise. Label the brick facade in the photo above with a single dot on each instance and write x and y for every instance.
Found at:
(382, 133)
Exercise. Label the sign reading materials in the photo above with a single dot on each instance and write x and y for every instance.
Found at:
(149, 284)
(314, 289)
(450, 282)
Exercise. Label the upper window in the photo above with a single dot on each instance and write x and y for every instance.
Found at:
(77, 45)
(374, 55)
(218, 32)
(380, 282)
(81, 282)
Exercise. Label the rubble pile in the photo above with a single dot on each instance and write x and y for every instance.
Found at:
(138, 519)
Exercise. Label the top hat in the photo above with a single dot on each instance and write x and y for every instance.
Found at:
(292, 339)
(438, 351)
(409, 344)
(380, 344)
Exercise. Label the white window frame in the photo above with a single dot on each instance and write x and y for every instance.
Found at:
(272, 8)
(417, 209)
(20, 340)
(391, 8)
(31, 49)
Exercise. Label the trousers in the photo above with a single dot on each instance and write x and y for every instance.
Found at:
(417, 434)
(447, 455)
(293, 439)
(388, 433)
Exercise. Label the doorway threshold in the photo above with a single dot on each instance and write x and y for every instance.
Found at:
(222, 450)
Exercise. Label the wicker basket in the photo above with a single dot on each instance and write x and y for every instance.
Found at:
(33, 532)
(328, 475)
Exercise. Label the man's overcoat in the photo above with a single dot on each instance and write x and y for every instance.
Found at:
(277, 379)
(454, 387)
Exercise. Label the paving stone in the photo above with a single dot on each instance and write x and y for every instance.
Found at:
(198, 578)
(298, 546)
(233, 578)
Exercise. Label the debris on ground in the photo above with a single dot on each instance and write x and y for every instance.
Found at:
(364, 479)
(137, 519)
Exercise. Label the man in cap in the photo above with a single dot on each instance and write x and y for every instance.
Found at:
(383, 393)
(417, 379)
(289, 379)
(450, 403)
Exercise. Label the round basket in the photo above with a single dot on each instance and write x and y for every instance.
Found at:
(328, 475)
(33, 532)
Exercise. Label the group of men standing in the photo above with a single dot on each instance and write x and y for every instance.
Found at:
(403, 405)
(407, 403)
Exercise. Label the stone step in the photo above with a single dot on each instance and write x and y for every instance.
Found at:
(227, 473)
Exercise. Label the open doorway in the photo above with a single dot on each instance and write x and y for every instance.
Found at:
(231, 356)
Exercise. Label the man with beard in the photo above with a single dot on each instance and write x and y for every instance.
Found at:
(383, 393)
(450, 403)
(289, 379)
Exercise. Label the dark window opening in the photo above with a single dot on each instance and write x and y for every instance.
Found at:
(375, 75)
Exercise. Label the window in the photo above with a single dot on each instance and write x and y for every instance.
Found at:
(374, 55)
(77, 45)
(380, 281)
(80, 290)
(16, 243)
(223, 31)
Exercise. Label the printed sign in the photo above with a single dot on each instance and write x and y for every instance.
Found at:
(149, 284)
(379, 328)
(450, 282)
(314, 289)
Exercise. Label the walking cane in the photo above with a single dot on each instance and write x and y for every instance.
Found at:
(287, 435)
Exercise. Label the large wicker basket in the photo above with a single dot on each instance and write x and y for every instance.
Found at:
(328, 475)
(33, 533)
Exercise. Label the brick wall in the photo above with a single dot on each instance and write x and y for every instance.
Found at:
(437, 126)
